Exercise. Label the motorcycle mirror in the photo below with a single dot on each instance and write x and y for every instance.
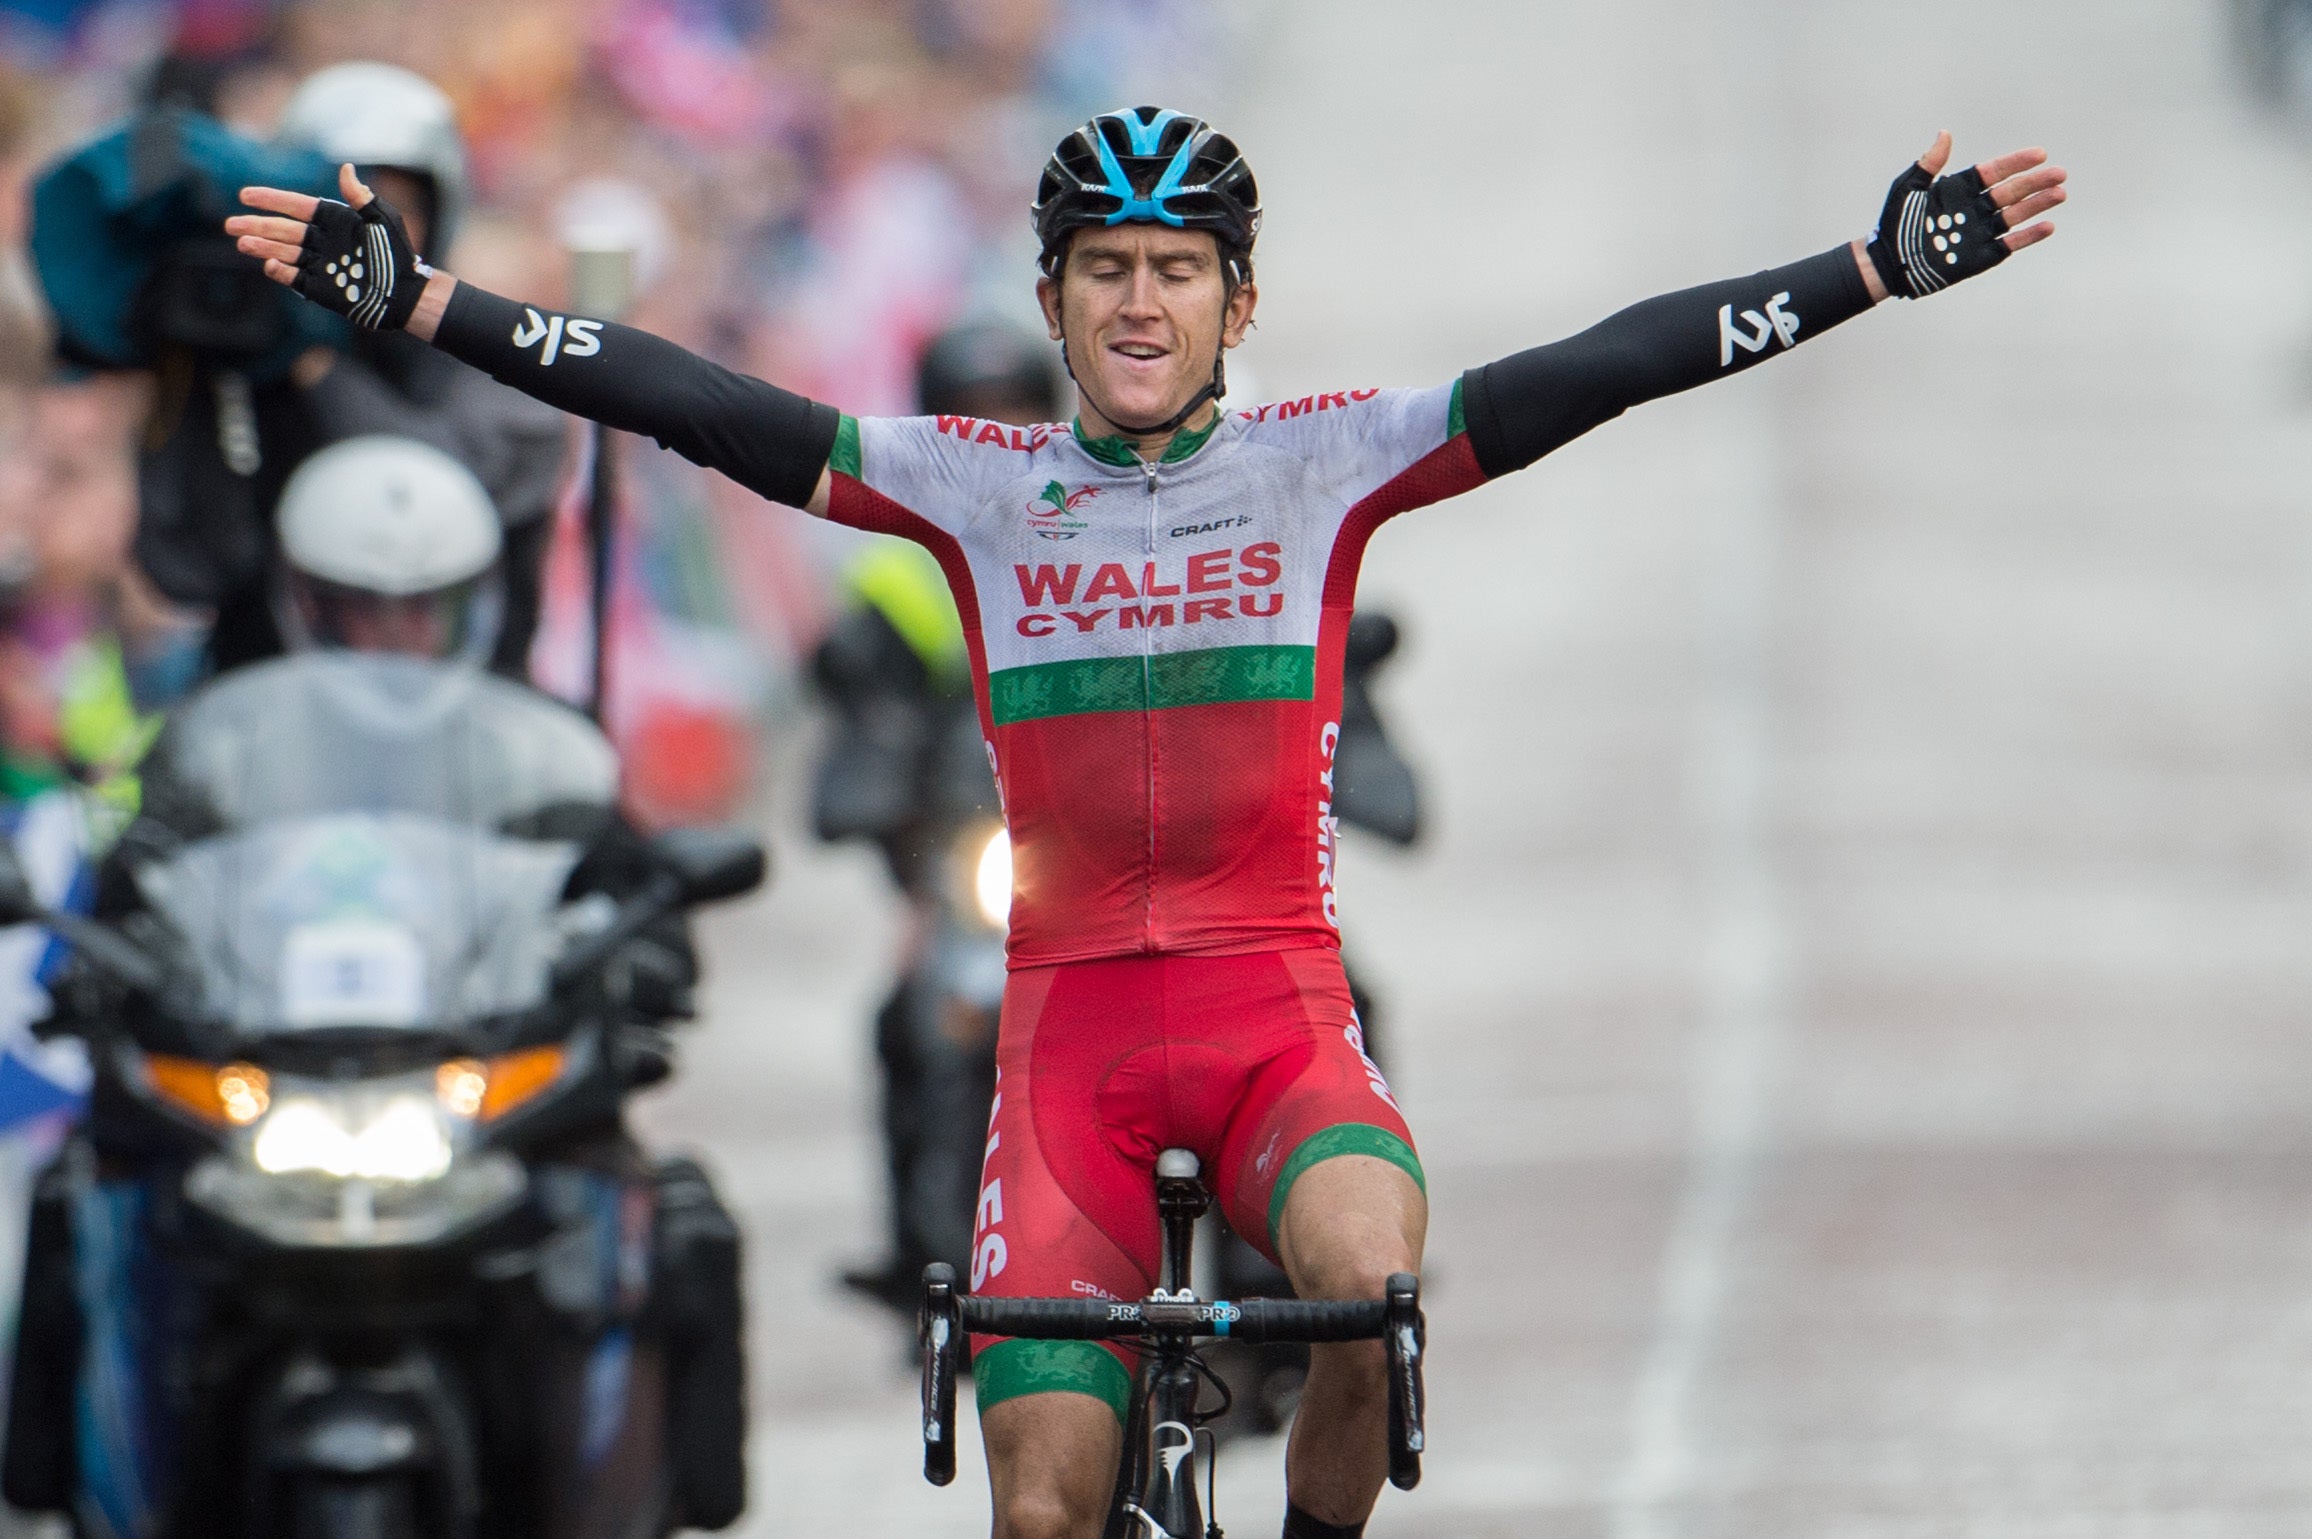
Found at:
(17, 903)
(711, 864)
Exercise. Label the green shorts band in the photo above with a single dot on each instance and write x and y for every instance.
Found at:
(1012, 1368)
(1330, 1143)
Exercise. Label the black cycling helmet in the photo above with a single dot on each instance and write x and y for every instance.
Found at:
(1147, 165)
(1152, 166)
(968, 366)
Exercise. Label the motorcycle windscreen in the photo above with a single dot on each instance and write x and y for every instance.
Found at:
(364, 919)
(329, 732)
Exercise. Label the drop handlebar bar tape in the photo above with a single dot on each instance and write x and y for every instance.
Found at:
(1253, 1320)
(1936, 232)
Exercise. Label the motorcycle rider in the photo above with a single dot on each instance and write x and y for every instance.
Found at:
(1158, 697)
(389, 546)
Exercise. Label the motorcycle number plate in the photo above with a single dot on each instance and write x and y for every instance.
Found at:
(352, 972)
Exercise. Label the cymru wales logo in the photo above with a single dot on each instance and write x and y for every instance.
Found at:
(1053, 514)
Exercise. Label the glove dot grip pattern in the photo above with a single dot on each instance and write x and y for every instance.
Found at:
(360, 264)
(1942, 232)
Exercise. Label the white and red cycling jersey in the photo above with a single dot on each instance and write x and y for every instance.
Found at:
(1156, 648)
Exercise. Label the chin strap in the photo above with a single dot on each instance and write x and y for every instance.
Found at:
(1212, 391)
(1137, 432)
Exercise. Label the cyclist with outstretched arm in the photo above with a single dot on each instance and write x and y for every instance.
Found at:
(1155, 599)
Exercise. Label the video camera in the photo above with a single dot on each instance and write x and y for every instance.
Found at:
(204, 297)
(128, 243)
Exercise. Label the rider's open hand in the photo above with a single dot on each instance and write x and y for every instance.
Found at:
(353, 257)
(1939, 230)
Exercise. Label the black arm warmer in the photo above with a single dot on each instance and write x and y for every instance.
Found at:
(1522, 407)
(769, 440)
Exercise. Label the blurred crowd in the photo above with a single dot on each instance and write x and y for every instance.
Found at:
(814, 190)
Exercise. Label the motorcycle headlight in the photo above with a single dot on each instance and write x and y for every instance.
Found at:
(362, 1163)
(403, 1135)
(312, 1210)
(991, 885)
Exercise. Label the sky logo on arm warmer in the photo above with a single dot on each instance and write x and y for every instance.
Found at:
(573, 339)
(1764, 329)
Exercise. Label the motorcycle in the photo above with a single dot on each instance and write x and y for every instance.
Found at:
(352, 1241)
(907, 769)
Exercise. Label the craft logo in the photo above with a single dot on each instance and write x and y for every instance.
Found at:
(1053, 515)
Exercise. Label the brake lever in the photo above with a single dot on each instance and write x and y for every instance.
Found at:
(1405, 1335)
(940, 1328)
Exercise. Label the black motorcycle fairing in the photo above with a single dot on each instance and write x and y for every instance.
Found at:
(38, 1461)
(698, 1298)
(452, 1387)
(512, 1370)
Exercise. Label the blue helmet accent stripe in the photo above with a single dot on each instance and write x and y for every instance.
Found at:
(1133, 205)
(1147, 137)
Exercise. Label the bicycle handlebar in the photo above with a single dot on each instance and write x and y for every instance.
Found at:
(1394, 1319)
(1253, 1320)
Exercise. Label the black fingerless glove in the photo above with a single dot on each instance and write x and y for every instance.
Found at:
(1933, 233)
(360, 263)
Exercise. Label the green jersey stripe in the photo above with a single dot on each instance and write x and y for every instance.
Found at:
(844, 459)
(1213, 676)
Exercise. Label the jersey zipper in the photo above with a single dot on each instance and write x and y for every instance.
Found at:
(1148, 722)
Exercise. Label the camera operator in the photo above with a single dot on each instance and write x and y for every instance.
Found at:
(402, 132)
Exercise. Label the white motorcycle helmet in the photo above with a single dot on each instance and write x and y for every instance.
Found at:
(382, 115)
(389, 545)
